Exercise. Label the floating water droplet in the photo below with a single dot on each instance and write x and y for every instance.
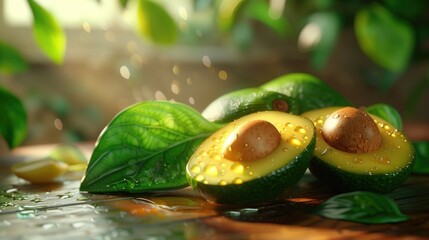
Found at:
(211, 170)
(237, 168)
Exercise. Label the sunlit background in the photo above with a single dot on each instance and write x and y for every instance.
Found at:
(108, 65)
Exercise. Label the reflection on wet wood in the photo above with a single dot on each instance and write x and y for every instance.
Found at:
(59, 210)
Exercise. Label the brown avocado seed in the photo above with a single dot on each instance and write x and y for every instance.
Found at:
(351, 130)
(252, 140)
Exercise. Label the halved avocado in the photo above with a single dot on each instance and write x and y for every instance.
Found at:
(380, 170)
(236, 104)
(223, 171)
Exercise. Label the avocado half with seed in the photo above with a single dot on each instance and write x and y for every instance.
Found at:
(359, 151)
(252, 159)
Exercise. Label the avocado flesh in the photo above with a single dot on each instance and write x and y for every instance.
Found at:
(243, 182)
(382, 170)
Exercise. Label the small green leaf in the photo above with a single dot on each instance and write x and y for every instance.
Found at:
(387, 40)
(155, 24)
(13, 122)
(228, 10)
(260, 10)
(362, 207)
(146, 148)
(421, 149)
(11, 60)
(48, 33)
(329, 24)
(386, 112)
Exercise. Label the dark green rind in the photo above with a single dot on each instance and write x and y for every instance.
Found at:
(242, 102)
(347, 181)
(262, 189)
(311, 92)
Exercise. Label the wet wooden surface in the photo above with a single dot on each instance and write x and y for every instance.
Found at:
(60, 211)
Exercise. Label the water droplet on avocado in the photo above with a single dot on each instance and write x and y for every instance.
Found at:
(237, 168)
(211, 170)
(222, 182)
(238, 181)
(300, 129)
(384, 160)
(195, 169)
(199, 178)
(358, 161)
(294, 141)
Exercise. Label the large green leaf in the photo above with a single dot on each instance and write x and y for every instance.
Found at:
(48, 33)
(146, 148)
(387, 40)
(13, 122)
(363, 207)
(155, 24)
(329, 24)
(11, 60)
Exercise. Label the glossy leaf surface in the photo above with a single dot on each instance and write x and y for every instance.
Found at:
(145, 148)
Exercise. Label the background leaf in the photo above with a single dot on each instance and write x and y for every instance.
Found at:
(228, 10)
(386, 112)
(13, 122)
(421, 165)
(155, 24)
(386, 39)
(330, 26)
(49, 36)
(363, 207)
(259, 10)
(11, 60)
(145, 148)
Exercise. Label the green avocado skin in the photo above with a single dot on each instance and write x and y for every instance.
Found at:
(311, 92)
(262, 189)
(346, 181)
(236, 104)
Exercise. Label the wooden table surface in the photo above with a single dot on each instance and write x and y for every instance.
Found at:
(59, 211)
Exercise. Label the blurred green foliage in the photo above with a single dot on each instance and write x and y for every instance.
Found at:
(391, 33)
